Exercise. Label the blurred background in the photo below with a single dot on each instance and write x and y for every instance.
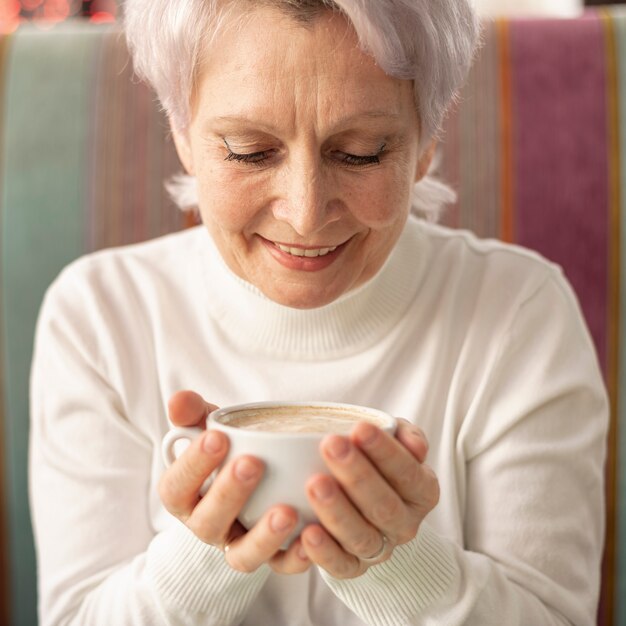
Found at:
(48, 13)
(101, 144)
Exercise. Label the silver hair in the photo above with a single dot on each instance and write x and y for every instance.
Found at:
(430, 43)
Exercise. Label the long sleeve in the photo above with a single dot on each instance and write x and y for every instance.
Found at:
(531, 459)
(491, 358)
(100, 560)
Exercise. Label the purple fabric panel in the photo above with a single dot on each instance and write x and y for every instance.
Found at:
(561, 193)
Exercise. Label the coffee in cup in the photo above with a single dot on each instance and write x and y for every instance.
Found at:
(285, 436)
(299, 419)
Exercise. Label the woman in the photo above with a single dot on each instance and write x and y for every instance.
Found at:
(306, 125)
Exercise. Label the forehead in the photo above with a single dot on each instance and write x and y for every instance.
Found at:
(268, 62)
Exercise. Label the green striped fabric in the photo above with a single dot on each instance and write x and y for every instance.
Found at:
(69, 185)
(43, 192)
(536, 148)
(4, 536)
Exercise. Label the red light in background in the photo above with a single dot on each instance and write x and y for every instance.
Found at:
(31, 5)
(103, 10)
(56, 10)
(10, 9)
(46, 13)
(9, 16)
(101, 17)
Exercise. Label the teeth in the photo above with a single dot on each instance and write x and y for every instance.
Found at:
(313, 252)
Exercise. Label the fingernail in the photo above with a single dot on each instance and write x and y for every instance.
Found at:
(212, 443)
(279, 522)
(245, 469)
(314, 538)
(323, 490)
(419, 435)
(369, 435)
(338, 447)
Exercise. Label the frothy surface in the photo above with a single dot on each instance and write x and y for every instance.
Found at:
(298, 419)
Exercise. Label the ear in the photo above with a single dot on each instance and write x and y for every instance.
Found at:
(183, 147)
(425, 160)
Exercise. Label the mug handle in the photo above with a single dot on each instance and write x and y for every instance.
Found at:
(174, 435)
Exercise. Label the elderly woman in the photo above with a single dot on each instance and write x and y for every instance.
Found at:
(306, 125)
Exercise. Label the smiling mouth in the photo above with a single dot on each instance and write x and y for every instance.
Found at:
(305, 252)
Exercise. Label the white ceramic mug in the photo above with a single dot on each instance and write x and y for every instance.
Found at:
(290, 457)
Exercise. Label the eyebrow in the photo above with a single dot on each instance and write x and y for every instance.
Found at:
(367, 115)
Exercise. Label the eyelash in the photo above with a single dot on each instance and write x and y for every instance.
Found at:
(254, 158)
(259, 158)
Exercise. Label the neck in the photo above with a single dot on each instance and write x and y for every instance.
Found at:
(351, 323)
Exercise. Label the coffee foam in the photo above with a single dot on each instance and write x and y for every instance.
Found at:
(298, 419)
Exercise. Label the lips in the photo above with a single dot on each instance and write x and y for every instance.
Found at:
(306, 252)
(300, 258)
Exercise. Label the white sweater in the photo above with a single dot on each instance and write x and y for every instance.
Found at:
(481, 344)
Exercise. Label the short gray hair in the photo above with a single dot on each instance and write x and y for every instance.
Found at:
(429, 42)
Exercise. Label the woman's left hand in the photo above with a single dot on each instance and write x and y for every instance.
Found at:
(379, 493)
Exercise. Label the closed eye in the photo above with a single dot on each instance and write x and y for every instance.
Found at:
(355, 160)
(343, 158)
(255, 158)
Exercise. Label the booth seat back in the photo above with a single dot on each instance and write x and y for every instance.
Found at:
(536, 148)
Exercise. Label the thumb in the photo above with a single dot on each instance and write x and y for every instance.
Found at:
(187, 408)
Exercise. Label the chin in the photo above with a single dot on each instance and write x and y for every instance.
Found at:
(301, 297)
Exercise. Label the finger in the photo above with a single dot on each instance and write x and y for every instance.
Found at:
(367, 486)
(397, 464)
(413, 438)
(180, 484)
(294, 560)
(324, 551)
(352, 527)
(218, 509)
(187, 408)
(263, 540)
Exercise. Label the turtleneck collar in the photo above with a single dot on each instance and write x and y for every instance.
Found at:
(351, 323)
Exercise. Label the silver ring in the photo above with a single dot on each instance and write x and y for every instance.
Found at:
(379, 556)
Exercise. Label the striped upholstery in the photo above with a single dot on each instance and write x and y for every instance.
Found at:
(536, 148)
(537, 151)
(84, 152)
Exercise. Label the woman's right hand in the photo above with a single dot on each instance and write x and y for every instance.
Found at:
(213, 517)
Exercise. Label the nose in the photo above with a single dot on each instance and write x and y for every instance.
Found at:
(307, 201)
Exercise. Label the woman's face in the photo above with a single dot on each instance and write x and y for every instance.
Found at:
(305, 154)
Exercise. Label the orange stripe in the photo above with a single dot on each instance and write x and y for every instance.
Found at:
(613, 312)
(190, 219)
(507, 230)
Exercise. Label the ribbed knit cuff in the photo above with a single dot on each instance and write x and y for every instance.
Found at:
(192, 577)
(419, 575)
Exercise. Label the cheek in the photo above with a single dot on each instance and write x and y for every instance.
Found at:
(384, 201)
(227, 200)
